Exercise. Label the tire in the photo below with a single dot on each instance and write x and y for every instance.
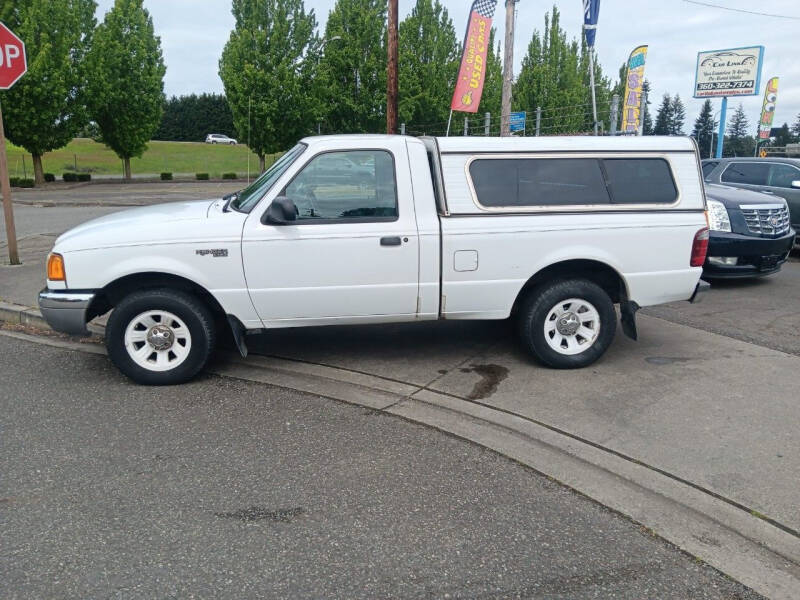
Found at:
(232, 143)
(177, 321)
(585, 333)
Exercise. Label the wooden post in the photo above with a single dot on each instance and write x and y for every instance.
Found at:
(508, 71)
(391, 71)
(5, 188)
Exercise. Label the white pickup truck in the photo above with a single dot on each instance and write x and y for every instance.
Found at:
(376, 229)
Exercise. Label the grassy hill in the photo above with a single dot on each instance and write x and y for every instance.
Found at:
(173, 157)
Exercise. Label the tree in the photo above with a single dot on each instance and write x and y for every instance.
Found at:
(738, 142)
(190, 118)
(428, 60)
(678, 116)
(664, 117)
(704, 127)
(126, 88)
(46, 108)
(493, 83)
(554, 76)
(267, 69)
(647, 123)
(352, 74)
(784, 136)
(796, 128)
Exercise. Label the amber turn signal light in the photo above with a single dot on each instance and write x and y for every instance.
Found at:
(55, 268)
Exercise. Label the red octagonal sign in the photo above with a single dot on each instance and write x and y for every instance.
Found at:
(12, 58)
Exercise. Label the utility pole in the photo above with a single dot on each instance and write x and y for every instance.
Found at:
(614, 113)
(391, 71)
(508, 71)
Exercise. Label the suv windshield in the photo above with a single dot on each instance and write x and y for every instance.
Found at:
(249, 197)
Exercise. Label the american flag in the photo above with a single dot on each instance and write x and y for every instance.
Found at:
(484, 8)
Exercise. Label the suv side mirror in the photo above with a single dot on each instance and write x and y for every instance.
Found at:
(796, 184)
(282, 211)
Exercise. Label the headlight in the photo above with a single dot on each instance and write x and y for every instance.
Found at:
(718, 219)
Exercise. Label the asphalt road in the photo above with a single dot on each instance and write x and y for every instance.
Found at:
(223, 488)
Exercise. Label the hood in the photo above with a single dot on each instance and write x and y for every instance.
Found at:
(733, 197)
(160, 223)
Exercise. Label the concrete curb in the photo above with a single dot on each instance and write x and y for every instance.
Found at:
(22, 315)
(740, 544)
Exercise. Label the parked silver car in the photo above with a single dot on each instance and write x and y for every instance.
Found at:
(218, 138)
(777, 176)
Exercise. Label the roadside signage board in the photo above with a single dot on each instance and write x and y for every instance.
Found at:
(13, 63)
(731, 72)
(517, 121)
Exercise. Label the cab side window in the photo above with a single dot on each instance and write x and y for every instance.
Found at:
(782, 176)
(357, 185)
(708, 168)
(746, 173)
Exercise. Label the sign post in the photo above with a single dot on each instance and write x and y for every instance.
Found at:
(13, 65)
(730, 72)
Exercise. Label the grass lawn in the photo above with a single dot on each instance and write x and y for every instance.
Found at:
(173, 157)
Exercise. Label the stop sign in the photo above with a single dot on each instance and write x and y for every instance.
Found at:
(12, 58)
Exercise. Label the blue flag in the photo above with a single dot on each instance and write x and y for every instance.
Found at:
(591, 12)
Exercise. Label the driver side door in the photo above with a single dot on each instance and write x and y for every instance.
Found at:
(352, 254)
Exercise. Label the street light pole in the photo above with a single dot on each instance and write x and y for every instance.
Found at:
(391, 70)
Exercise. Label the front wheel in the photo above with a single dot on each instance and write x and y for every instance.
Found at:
(160, 337)
(568, 324)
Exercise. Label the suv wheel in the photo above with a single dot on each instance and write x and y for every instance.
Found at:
(160, 337)
(568, 324)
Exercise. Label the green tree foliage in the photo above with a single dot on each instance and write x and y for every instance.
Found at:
(428, 63)
(678, 116)
(493, 83)
(352, 71)
(46, 108)
(784, 136)
(737, 140)
(267, 68)
(190, 118)
(555, 76)
(664, 116)
(704, 127)
(796, 128)
(126, 86)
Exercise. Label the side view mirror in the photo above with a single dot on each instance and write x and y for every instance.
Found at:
(282, 211)
(796, 184)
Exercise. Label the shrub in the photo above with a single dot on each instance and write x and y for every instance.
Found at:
(84, 176)
(201, 176)
(70, 177)
(49, 177)
(229, 175)
(166, 176)
(13, 181)
(20, 182)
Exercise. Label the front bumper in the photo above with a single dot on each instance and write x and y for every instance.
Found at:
(757, 256)
(66, 311)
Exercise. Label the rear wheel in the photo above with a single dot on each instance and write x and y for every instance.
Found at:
(567, 324)
(160, 337)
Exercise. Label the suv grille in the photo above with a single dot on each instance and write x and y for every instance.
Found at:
(766, 219)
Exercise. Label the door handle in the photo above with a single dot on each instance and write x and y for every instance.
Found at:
(391, 241)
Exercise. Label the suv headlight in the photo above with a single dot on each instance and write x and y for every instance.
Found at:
(718, 219)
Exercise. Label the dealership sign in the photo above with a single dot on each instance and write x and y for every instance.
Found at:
(733, 72)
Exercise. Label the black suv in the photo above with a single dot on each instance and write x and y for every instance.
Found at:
(750, 233)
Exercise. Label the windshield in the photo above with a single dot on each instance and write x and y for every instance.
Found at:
(249, 197)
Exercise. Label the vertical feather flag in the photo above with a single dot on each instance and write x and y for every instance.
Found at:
(768, 109)
(591, 13)
(472, 73)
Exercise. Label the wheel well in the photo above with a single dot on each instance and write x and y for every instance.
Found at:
(115, 291)
(595, 271)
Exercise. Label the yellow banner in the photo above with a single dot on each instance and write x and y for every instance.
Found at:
(632, 101)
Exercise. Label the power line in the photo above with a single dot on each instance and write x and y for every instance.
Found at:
(741, 10)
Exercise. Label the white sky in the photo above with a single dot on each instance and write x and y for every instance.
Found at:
(193, 33)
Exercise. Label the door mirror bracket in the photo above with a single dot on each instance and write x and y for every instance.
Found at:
(282, 211)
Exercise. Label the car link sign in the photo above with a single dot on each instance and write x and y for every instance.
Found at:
(733, 72)
(12, 58)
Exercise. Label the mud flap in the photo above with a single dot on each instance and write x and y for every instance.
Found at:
(239, 332)
(627, 311)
